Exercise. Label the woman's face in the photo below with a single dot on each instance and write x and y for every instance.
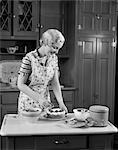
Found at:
(56, 46)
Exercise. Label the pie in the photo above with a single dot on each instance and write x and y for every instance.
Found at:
(55, 113)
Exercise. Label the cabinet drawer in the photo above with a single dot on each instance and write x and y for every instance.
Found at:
(10, 97)
(61, 142)
(9, 109)
(68, 96)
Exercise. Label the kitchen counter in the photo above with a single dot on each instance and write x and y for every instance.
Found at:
(53, 135)
(4, 88)
(15, 125)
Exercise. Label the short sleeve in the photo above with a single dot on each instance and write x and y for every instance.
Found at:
(25, 67)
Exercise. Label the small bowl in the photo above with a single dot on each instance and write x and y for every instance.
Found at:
(12, 50)
(32, 113)
(31, 116)
(81, 113)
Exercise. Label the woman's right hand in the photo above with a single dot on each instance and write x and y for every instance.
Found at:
(47, 104)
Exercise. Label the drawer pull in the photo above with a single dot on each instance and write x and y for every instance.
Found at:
(64, 141)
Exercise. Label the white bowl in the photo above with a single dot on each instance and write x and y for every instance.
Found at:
(31, 113)
(81, 113)
(30, 116)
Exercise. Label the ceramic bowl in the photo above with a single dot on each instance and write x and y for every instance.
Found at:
(81, 113)
(12, 50)
(31, 116)
(32, 113)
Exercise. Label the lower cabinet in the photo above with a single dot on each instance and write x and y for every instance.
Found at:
(68, 97)
(60, 142)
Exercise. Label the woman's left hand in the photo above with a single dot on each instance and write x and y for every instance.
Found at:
(63, 107)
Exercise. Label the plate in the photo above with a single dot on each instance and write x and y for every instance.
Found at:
(52, 119)
(74, 123)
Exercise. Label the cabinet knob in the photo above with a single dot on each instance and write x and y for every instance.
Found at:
(14, 16)
(98, 16)
(63, 141)
(42, 26)
(96, 96)
(39, 25)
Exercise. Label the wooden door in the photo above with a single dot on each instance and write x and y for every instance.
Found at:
(5, 18)
(96, 73)
(26, 18)
(105, 74)
(86, 71)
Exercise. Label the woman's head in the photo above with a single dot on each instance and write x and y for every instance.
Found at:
(52, 38)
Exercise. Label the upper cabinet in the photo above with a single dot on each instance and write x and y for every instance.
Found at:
(53, 15)
(19, 19)
(96, 17)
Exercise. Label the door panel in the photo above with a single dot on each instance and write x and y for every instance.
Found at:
(96, 73)
(87, 71)
(104, 73)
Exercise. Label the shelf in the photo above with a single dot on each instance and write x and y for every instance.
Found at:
(12, 54)
(60, 56)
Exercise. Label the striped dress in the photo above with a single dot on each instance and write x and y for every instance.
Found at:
(40, 71)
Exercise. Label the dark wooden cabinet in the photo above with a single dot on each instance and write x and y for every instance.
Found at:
(96, 17)
(19, 19)
(92, 62)
(68, 96)
(96, 72)
(60, 142)
(53, 16)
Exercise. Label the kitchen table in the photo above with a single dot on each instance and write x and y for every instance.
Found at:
(54, 135)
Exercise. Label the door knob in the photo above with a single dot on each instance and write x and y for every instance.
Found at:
(96, 96)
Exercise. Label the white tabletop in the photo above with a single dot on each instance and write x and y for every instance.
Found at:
(14, 125)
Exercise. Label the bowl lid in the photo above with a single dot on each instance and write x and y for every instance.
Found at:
(99, 108)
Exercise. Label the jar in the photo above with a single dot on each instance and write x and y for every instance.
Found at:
(99, 114)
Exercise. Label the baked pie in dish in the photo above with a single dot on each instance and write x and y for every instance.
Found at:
(54, 113)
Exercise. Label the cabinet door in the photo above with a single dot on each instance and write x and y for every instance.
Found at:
(51, 15)
(25, 18)
(5, 18)
(105, 74)
(86, 71)
(96, 16)
(68, 97)
(96, 73)
(10, 97)
(9, 109)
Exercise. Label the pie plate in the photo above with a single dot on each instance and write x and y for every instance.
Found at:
(52, 119)
(74, 123)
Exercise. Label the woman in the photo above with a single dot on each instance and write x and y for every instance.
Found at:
(39, 68)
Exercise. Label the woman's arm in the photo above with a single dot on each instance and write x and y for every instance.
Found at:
(22, 79)
(57, 91)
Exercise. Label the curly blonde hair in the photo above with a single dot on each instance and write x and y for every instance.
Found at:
(51, 37)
